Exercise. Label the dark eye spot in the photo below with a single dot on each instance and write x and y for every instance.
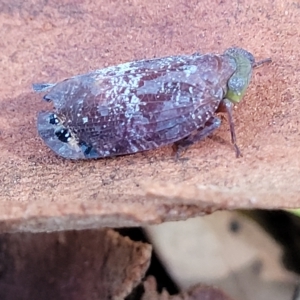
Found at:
(63, 135)
(53, 119)
(88, 151)
(234, 226)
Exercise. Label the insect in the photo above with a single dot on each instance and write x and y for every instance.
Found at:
(145, 104)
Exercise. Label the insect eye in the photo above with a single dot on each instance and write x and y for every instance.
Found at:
(237, 84)
(239, 53)
(63, 135)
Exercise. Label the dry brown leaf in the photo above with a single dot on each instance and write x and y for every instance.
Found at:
(49, 41)
(75, 265)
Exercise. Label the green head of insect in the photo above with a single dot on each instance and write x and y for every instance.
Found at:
(239, 81)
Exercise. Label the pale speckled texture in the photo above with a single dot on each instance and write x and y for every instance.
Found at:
(50, 42)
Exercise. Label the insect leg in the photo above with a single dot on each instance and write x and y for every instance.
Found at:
(226, 106)
(201, 133)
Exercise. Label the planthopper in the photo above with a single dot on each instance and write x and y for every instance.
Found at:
(144, 104)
